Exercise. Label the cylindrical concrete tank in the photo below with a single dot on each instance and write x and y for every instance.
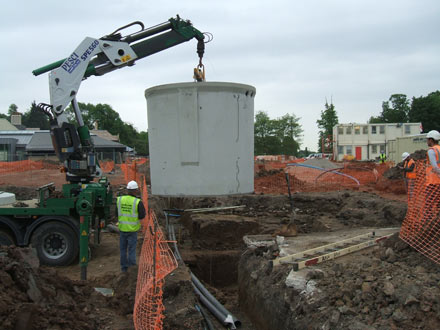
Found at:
(201, 138)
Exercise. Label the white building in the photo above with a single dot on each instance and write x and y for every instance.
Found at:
(365, 141)
(406, 144)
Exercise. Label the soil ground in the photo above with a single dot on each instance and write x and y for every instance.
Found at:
(390, 286)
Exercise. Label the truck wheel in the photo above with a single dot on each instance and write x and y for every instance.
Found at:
(6, 238)
(56, 244)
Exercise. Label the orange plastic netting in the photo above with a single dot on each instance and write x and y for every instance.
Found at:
(421, 227)
(305, 178)
(155, 263)
(107, 166)
(26, 165)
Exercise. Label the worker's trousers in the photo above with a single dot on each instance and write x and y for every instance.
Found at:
(127, 244)
(409, 184)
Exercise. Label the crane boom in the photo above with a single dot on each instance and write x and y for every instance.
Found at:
(96, 57)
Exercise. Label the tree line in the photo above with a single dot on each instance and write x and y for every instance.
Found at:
(280, 136)
(397, 109)
(400, 109)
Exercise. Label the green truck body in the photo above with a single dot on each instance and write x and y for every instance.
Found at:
(59, 226)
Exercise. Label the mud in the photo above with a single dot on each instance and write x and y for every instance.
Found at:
(21, 193)
(396, 172)
(212, 246)
(388, 287)
(32, 297)
(354, 292)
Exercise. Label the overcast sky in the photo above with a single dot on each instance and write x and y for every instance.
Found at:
(297, 53)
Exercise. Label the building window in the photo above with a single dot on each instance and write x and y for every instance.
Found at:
(382, 129)
(348, 130)
(364, 129)
(348, 150)
(340, 150)
(382, 148)
(407, 129)
(374, 149)
(373, 129)
(357, 130)
(340, 130)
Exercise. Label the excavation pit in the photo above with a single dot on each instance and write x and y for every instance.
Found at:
(212, 245)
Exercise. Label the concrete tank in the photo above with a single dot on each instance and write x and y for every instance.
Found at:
(201, 138)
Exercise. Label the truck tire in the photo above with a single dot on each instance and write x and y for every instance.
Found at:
(56, 244)
(6, 238)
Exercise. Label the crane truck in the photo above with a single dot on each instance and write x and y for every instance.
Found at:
(58, 225)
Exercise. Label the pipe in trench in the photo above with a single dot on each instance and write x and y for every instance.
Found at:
(208, 322)
(213, 305)
(215, 302)
(212, 308)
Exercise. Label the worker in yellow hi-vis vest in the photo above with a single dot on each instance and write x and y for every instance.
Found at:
(130, 211)
(382, 157)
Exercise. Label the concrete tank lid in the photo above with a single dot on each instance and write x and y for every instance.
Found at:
(210, 85)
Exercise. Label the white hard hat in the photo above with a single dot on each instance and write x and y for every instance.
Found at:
(132, 185)
(435, 135)
(405, 155)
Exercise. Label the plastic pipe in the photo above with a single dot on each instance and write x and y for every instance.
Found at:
(229, 317)
(217, 309)
(208, 322)
(211, 307)
(323, 169)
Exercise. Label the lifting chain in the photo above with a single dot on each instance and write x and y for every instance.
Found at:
(199, 71)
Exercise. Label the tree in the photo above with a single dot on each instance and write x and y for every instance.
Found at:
(276, 136)
(107, 118)
(426, 109)
(328, 120)
(12, 109)
(35, 118)
(396, 112)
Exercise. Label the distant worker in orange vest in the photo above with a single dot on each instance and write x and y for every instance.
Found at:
(433, 155)
(432, 184)
(409, 172)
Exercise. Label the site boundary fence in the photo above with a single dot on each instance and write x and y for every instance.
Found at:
(271, 176)
(155, 263)
(421, 227)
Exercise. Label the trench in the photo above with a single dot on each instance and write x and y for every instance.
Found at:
(212, 247)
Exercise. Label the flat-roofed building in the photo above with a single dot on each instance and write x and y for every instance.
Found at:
(366, 141)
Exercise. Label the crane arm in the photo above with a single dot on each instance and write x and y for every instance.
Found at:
(96, 57)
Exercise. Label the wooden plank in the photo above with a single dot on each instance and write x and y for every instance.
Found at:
(329, 256)
(290, 258)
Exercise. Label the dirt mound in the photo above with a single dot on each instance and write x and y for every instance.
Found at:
(388, 287)
(419, 154)
(33, 298)
(396, 172)
(394, 186)
(263, 172)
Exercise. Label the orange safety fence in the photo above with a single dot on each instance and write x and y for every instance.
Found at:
(26, 165)
(421, 227)
(306, 178)
(131, 169)
(155, 263)
(107, 166)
